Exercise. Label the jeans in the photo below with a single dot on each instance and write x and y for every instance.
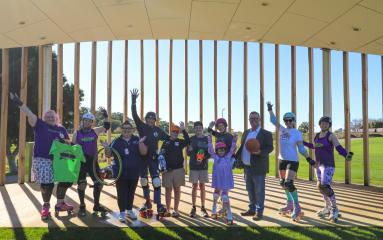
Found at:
(255, 186)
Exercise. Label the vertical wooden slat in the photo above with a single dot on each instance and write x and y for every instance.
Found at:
(170, 84)
(93, 79)
(22, 126)
(109, 86)
(41, 82)
(311, 107)
(261, 86)
(200, 81)
(366, 160)
(229, 87)
(4, 113)
(186, 100)
(327, 99)
(142, 93)
(347, 135)
(157, 86)
(76, 108)
(125, 117)
(293, 80)
(245, 103)
(277, 108)
(215, 81)
(59, 87)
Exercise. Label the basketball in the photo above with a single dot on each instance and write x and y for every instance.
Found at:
(252, 145)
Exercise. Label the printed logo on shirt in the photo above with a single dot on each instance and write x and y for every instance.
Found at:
(176, 144)
(155, 134)
(61, 135)
(88, 139)
(67, 155)
(285, 136)
(56, 131)
(126, 151)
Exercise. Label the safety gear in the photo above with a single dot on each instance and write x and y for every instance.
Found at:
(310, 161)
(282, 183)
(88, 116)
(144, 182)
(219, 121)
(15, 99)
(219, 145)
(325, 119)
(156, 182)
(289, 115)
(151, 115)
(289, 184)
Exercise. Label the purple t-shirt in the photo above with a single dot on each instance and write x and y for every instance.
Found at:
(44, 136)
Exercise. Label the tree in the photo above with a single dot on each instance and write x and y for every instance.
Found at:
(14, 86)
(304, 127)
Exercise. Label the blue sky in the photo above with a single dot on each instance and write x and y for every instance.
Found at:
(374, 79)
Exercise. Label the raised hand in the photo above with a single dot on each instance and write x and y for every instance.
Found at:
(104, 143)
(349, 156)
(135, 94)
(182, 126)
(15, 99)
(142, 139)
(104, 112)
(269, 106)
(310, 161)
(211, 124)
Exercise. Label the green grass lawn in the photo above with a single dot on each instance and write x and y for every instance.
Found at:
(184, 233)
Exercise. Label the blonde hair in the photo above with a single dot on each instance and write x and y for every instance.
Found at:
(57, 118)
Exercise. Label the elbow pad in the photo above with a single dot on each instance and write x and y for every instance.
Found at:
(107, 126)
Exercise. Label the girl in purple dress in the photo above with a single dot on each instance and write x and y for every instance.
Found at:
(223, 180)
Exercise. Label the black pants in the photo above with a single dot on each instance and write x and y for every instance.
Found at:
(125, 193)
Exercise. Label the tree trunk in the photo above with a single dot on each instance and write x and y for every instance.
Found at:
(11, 156)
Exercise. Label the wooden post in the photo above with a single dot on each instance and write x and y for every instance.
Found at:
(200, 81)
(157, 86)
(186, 101)
(109, 86)
(125, 117)
(261, 86)
(277, 109)
(347, 136)
(215, 81)
(229, 87)
(245, 105)
(142, 92)
(22, 128)
(41, 82)
(327, 100)
(293, 80)
(366, 161)
(311, 107)
(170, 84)
(59, 87)
(4, 113)
(93, 78)
(76, 107)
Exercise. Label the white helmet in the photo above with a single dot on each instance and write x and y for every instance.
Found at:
(88, 116)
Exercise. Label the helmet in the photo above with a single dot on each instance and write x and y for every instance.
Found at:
(174, 128)
(219, 121)
(219, 145)
(151, 115)
(325, 119)
(88, 116)
(289, 115)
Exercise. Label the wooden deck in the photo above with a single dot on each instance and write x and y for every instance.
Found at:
(359, 206)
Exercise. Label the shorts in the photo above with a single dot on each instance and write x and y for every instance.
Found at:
(200, 176)
(173, 178)
(288, 165)
(42, 170)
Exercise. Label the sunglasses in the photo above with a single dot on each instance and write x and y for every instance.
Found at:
(288, 120)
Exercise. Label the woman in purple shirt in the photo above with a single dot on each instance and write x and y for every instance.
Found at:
(46, 130)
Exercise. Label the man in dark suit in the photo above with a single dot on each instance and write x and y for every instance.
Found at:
(256, 165)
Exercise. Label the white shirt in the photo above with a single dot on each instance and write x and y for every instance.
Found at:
(288, 143)
(246, 154)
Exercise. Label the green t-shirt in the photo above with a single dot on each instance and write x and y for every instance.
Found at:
(66, 161)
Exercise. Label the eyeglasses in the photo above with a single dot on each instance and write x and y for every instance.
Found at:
(288, 120)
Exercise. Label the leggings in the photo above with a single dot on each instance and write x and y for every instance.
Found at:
(125, 193)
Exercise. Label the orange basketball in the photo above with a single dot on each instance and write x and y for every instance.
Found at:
(253, 145)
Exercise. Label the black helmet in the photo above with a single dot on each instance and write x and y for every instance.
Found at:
(325, 119)
(151, 115)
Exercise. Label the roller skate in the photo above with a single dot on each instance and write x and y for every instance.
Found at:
(214, 212)
(334, 215)
(146, 210)
(204, 212)
(162, 212)
(99, 209)
(324, 212)
(45, 213)
(63, 207)
(287, 209)
(82, 211)
(229, 221)
(297, 214)
(193, 213)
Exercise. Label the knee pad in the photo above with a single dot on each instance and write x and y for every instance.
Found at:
(81, 185)
(327, 190)
(156, 181)
(289, 185)
(225, 198)
(282, 183)
(144, 182)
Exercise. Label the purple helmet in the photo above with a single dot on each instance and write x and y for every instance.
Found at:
(221, 120)
(219, 145)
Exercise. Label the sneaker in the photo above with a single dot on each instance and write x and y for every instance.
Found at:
(258, 217)
(204, 212)
(132, 215)
(193, 212)
(175, 214)
(248, 213)
(121, 217)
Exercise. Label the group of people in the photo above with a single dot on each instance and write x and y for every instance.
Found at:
(139, 156)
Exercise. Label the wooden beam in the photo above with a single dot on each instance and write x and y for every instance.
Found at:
(4, 113)
(109, 86)
(215, 81)
(93, 78)
(186, 101)
(23, 120)
(201, 80)
(142, 92)
(125, 117)
(347, 134)
(311, 107)
(59, 87)
(366, 160)
(76, 107)
(294, 80)
(245, 95)
(277, 109)
(261, 86)
(41, 82)
(157, 86)
(229, 86)
(170, 84)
